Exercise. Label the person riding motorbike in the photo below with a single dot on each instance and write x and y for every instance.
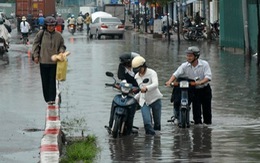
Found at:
(60, 23)
(72, 21)
(80, 21)
(4, 34)
(7, 23)
(41, 21)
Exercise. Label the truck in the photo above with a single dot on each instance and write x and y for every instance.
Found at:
(31, 10)
(87, 9)
(116, 10)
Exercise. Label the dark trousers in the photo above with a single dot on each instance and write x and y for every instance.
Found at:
(202, 103)
(48, 76)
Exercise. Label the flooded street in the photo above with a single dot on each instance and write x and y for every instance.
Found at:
(233, 136)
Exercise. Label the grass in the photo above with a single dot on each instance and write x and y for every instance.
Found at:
(83, 150)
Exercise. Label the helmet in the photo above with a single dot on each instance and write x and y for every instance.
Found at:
(72, 16)
(125, 87)
(1, 21)
(193, 50)
(23, 18)
(138, 61)
(127, 57)
(49, 20)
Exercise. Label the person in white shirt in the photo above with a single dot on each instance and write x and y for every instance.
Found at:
(198, 70)
(164, 22)
(25, 27)
(4, 34)
(149, 97)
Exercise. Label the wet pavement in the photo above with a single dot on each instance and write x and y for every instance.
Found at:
(233, 136)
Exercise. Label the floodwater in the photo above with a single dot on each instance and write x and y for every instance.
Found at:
(233, 136)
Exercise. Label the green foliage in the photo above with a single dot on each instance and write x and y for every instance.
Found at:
(84, 150)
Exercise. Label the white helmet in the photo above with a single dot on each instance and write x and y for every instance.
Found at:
(138, 61)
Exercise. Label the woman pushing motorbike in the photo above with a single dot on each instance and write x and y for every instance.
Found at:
(149, 97)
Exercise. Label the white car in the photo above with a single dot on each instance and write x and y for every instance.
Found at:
(109, 26)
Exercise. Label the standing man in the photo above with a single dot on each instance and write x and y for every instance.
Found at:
(200, 71)
(47, 43)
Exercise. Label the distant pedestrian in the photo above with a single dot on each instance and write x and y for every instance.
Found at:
(25, 27)
(88, 20)
(151, 23)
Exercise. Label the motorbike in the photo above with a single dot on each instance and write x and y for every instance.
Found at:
(72, 28)
(175, 26)
(80, 27)
(183, 91)
(122, 103)
(3, 46)
(194, 33)
(59, 28)
(214, 27)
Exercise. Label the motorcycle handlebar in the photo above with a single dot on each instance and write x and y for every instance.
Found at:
(110, 85)
(176, 84)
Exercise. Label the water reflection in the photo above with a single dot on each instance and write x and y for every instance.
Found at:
(4, 59)
(201, 140)
(192, 144)
(136, 149)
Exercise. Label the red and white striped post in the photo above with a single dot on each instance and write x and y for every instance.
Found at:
(50, 143)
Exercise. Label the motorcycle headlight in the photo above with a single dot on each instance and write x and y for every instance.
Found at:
(126, 87)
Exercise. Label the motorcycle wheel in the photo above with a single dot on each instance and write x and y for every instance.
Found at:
(183, 118)
(116, 128)
(186, 35)
(175, 29)
(188, 118)
(213, 35)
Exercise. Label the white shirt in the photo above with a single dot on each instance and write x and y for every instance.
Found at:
(4, 33)
(153, 93)
(164, 20)
(25, 27)
(199, 72)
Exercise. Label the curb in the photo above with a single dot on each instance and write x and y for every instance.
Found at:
(51, 142)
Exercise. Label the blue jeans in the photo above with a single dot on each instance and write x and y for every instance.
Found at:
(147, 118)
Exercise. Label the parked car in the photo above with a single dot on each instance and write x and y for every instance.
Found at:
(109, 26)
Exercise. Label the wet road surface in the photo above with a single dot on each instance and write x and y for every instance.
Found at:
(233, 136)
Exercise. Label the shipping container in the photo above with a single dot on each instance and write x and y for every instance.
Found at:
(32, 8)
(116, 10)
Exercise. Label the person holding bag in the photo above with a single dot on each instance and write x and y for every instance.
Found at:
(45, 45)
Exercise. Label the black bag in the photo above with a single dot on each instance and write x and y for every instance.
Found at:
(39, 44)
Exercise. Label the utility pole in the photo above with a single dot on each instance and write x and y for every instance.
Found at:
(245, 22)
(258, 35)
(207, 16)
